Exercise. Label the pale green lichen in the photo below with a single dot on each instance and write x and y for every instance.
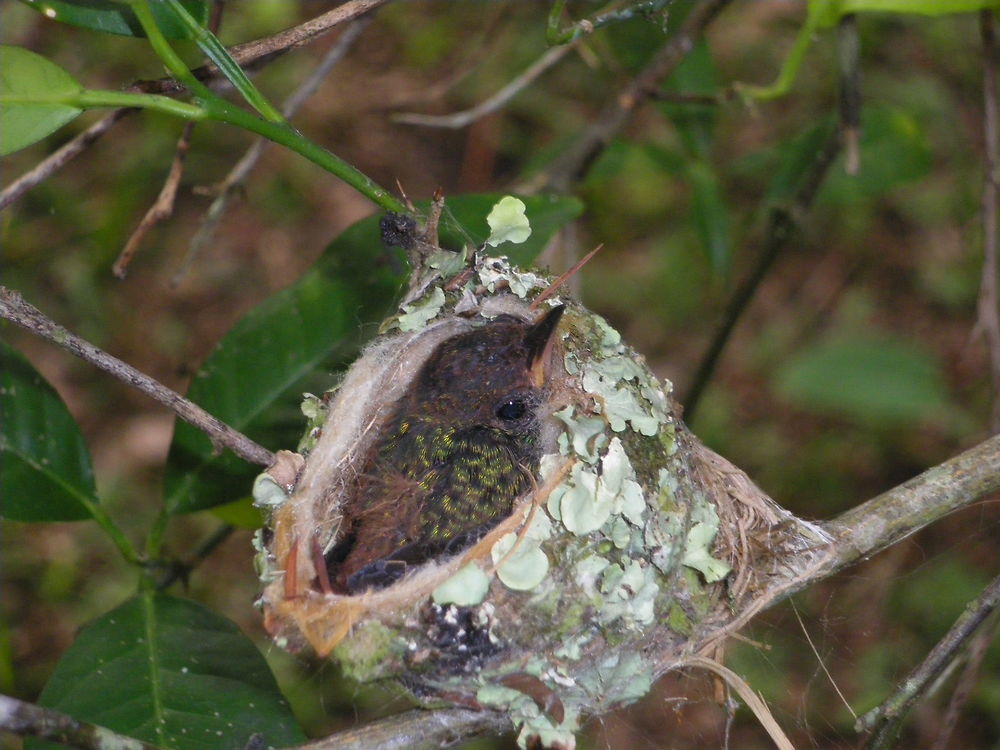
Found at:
(508, 222)
(467, 588)
(418, 314)
(697, 547)
(267, 493)
(448, 263)
(629, 591)
(585, 436)
(522, 565)
(621, 677)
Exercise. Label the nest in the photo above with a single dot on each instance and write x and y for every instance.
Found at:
(632, 551)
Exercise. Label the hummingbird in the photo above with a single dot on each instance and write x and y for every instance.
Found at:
(458, 448)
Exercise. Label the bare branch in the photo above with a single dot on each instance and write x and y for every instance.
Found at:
(887, 718)
(894, 515)
(297, 36)
(417, 730)
(15, 309)
(29, 720)
(461, 119)
(849, 54)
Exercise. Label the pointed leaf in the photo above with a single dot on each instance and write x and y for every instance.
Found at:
(111, 17)
(45, 472)
(255, 374)
(171, 673)
(867, 378)
(23, 74)
(710, 215)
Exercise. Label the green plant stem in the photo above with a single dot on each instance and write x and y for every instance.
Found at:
(273, 128)
(164, 51)
(117, 536)
(288, 137)
(93, 98)
(219, 55)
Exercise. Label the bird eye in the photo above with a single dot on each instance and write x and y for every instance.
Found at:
(512, 409)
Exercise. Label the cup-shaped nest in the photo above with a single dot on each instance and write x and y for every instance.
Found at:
(610, 568)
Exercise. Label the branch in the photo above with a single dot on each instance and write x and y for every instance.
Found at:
(894, 515)
(55, 161)
(781, 225)
(887, 718)
(417, 730)
(488, 106)
(28, 720)
(15, 309)
(255, 53)
(260, 50)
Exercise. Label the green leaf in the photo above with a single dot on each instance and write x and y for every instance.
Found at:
(710, 215)
(45, 472)
(172, 673)
(258, 368)
(23, 74)
(868, 378)
(111, 17)
(797, 159)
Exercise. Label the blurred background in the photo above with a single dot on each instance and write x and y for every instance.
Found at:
(855, 367)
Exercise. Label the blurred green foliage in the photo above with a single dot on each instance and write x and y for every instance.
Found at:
(851, 371)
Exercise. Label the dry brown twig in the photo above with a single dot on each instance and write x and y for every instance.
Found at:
(458, 120)
(162, 208)
(16, 310)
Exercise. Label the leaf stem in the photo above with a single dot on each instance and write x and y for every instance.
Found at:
(93, 98)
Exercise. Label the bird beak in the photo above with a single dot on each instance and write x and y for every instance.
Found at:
(539, 341)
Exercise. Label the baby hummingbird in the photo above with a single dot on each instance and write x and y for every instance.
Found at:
(458, 449)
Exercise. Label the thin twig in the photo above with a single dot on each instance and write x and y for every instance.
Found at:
(568, 167)
(181, 571)
(15, 309)
(253, 52)
(231, 185)
(781, 225)
(886, 719)
(978, 648)
(988, 319)
(56, 160)
(28, 720)
(494, 103)
(163, 206)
